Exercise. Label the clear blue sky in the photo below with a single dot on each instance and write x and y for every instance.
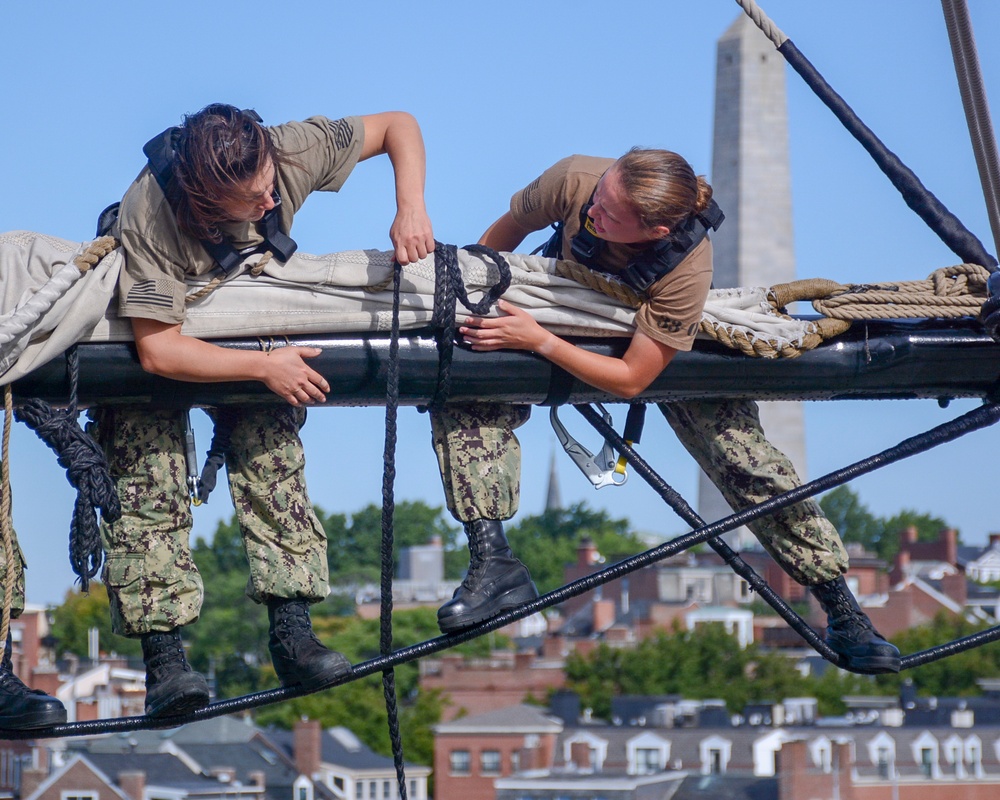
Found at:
(502, 90)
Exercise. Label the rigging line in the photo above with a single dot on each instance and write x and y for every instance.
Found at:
(388, 508)
(979, 418)
(977, 110)
(932, 211)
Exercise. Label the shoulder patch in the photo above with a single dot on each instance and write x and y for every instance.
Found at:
(151, 293)
(529, 196)
(343, 133)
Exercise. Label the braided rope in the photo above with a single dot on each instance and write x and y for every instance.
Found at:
(949, 292)
(6, 510)
(388, 534)
(762, 21)
(599, 281)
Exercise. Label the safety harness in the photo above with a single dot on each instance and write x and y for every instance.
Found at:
(160, 152)
(652, 263)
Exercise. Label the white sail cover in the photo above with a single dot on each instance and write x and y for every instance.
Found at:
(47, 306)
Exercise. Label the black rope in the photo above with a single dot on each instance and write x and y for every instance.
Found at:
(946, 225)
(449, 286)
(87, 471)
(388, 509)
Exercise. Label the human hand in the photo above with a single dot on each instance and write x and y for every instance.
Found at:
(412, 235)
(517, 330)
(291, 378)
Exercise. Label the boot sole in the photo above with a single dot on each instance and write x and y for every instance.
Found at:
(874, 666)
(506, 602)
(323, 679)
(33, 721)
(185, 702)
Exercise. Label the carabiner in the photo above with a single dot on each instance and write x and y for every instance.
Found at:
(601, 470)
(191, 459)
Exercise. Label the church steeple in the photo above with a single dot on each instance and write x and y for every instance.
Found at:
(553, 500)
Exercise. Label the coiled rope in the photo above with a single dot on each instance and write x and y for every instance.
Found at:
(86, 468)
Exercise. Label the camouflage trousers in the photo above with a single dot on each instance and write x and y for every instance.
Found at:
(479, 457)
(728, 442)
(18, 566)
(152, 581)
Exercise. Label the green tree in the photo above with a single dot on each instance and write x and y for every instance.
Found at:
(360, 704)
(702, 664)
(354, 550)
(878, 535)
(78, 614)
(547, 542)
(852, 518)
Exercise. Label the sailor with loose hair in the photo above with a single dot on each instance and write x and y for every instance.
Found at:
(219, 189)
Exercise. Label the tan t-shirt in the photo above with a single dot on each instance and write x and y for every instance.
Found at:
(673, 306)
(158, 255)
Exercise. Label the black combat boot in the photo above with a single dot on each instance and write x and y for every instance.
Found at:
(298, 656)
(850, 632)
(172, 687)
(22, 708)
(495, 582)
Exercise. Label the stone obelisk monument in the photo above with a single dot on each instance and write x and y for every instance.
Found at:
(751, 181)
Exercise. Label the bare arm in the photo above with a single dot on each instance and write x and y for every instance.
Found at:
(626, 376)
(397, 134)
(504, 235)
(164, 350)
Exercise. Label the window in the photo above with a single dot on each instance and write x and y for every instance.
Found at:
(359, 790)
(489, 762)
(926, 761)
(303, 793)
(373, 790)
(515, 761)
(715, 762)
(460, 762)
(413, 790)
(77, 795)
(882, 761)
(647, 761)
(386, 790)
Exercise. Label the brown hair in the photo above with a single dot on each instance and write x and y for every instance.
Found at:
(218, 151)
(661, 186)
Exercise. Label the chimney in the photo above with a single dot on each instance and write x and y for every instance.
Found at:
(307, 745)
(31, 779)
(604, 614)
(132, 783)
(949, 537)
(901, 567)
(956, 587)
(908, 535)
(586, 553)
(994, 539)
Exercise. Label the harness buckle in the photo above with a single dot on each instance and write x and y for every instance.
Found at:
(601, 470)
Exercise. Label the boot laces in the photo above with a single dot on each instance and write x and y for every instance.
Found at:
(166, 655)
(12, 685)
(293, 628)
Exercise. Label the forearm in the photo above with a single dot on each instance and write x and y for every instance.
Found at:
(197, 361)
(623, 377)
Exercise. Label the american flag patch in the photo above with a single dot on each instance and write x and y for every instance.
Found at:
(343, 133)
(152, 293)
(529, 197)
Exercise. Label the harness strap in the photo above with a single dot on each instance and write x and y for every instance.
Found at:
(160, 152)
